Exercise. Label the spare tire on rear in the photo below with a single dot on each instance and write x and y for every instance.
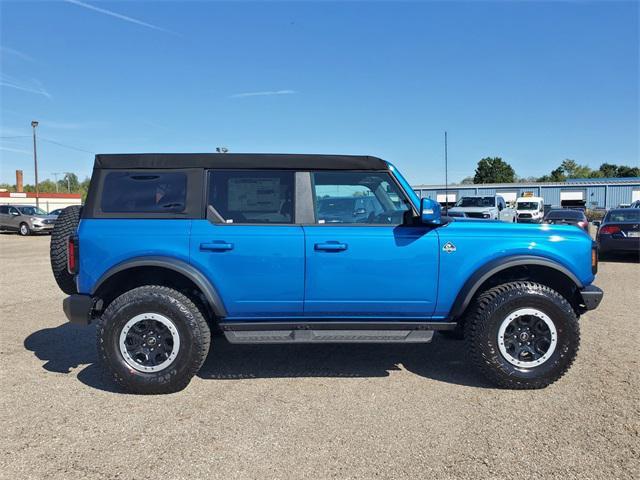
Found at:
(65, 226)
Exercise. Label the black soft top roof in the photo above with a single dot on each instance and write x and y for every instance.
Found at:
(240, 160)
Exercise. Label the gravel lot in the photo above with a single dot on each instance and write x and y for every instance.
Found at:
(363, 411)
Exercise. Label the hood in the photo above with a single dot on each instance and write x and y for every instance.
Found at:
(471, 209)
(43, 217)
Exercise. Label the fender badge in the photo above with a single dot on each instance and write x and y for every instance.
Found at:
(449, 247)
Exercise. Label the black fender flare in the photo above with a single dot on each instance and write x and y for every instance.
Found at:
(469, 289)
(179, 266)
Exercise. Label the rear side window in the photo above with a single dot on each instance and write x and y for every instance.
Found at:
(144, 192)
(252, 196)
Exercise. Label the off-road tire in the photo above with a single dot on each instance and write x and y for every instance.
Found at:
(65, 226)
(24, 230)
(488, 312)
(195, 339)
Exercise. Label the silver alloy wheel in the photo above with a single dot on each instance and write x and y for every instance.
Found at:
(24, 229)
(149, 342)
(527, 338)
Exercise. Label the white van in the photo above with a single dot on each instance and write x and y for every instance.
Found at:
(530, 209)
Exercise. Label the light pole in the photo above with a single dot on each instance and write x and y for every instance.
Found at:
(55, 176)
(34, 124)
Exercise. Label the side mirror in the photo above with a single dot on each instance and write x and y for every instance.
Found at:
(429, 211)
(14, 213)
(500, 207)
(596, 223)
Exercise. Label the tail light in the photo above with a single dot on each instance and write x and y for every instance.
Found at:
(610, 229)
(72, 254)
(594, 258)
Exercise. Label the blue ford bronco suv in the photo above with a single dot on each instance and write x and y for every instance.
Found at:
(170, 247)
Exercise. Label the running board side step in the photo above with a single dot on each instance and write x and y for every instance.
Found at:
(332, 332)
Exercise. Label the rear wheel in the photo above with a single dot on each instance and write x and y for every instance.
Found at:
(65, 226)
(24, 230)
(152, 339)
(523, 335)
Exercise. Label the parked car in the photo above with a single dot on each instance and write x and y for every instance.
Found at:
(169, 246)
(487, 207)
(56, 212)
(566, 216)
(25, 219)
(636, 204)
(619, 231)
(530, 209)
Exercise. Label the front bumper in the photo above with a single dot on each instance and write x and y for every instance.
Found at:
(78, 308)
(37, 227)
(591, 297)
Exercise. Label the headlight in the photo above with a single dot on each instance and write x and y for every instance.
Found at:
(486, 215)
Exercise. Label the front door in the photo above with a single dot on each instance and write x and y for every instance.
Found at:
(14, 218)
(367, 264)
(249, 247)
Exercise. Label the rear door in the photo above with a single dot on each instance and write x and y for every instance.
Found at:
(373, 266)
(249, 245)
(4, 216)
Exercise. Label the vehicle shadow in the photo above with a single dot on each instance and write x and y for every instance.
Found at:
(443, 360)
(67, 347)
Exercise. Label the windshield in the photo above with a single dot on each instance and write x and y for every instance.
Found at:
(630, 215)
(336, 206)
(528, 206)
(32, 211)
(476, 202)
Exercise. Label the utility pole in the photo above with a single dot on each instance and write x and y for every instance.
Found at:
(446, 176)
(55, 176)
(67, 174)
(34, 124)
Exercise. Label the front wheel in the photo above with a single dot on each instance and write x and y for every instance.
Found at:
(522, 335)
(24, 230)
(152, 339)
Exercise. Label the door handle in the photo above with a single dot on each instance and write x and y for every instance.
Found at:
(216, 246)
(331, 246)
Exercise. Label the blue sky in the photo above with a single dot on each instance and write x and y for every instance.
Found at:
(532, 82)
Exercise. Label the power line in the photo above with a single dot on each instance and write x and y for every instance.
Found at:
(48, 140)
(65, 146)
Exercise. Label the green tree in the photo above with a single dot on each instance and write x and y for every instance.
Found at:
(625, 171)
(70, 182)
(467, 181)
(494, 170)
(608, 170)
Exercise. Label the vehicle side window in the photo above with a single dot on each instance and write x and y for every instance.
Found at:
(252, 196)
(13, 211)
(144, 192)
(358, 197)
(4, 209)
